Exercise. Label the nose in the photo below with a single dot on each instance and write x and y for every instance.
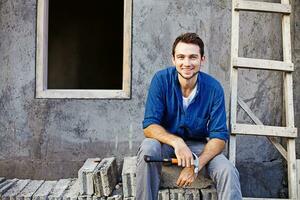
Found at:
(186, 62)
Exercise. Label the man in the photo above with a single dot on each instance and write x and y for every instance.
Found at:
(185, 107)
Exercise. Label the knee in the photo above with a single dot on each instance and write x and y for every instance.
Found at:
(228, 170)
(151, 147)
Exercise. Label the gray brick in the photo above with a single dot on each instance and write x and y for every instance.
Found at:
(12, 193)
(98, 198)
(171, 173)
(177, 194)
(88, 197)
(209, 194)
(164, 194)
(73, 191)
(29, 190)
(44, 190)
(6, 185)
(59, 189)
(85, 176)
(129, 176)
(192, 194)
(129, 198)
(115, 197)
(105, 177)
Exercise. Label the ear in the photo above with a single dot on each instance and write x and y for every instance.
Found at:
(203, 59)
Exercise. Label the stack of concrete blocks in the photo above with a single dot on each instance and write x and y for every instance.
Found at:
(35, 189)
(202, 188)
(97, 179)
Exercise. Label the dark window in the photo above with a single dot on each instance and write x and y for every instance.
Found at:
(85, 44)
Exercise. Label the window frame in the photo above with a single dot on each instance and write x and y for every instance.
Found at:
(42, 90)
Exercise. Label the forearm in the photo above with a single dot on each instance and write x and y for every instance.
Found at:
(211, 149)
(158, 132)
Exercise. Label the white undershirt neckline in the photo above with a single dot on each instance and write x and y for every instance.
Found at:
(187, 100)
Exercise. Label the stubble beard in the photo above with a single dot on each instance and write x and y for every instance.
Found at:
(194, 74)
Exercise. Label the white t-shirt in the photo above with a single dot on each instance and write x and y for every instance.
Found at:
(187, 100)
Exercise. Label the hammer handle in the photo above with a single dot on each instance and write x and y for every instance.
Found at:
(164, 160)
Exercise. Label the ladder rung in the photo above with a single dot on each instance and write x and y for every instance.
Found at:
(262, 64)
(263, 7)
(262, 130)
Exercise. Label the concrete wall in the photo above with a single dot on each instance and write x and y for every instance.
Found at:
(50, 138)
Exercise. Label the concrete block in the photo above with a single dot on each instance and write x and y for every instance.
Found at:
(129, 176)
(29, 190)
(115, 197)
(98, 198)
(171, 173)
(59, 189)
(129, 198)
(85, 176)
(184, 194)
(6, 185)
(105, 177)
(209, 194)
(44, 190)
(164, 194)
(2, 179)
(88, 197)
(192, 194)
(12, 193)
(72, 192)
(177, 194)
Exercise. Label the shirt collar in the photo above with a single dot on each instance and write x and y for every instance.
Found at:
(177, 84)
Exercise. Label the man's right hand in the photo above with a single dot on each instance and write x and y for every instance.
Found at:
(183, 153)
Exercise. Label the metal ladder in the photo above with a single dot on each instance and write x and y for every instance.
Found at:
(286, 66)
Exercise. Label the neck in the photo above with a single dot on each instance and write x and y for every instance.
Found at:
(187, 85)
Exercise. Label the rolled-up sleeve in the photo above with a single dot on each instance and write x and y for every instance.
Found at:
(155, 103)
(217, 127)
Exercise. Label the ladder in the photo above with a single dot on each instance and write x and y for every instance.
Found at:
(286, 66)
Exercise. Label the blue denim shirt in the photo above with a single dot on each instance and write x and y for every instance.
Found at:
(204, 117)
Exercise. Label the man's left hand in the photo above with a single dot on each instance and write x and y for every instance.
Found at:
(186, 177)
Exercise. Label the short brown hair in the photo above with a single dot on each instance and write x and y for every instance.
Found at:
(189, 38)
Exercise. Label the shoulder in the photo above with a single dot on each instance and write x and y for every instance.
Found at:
(210, 82)
(165, 75)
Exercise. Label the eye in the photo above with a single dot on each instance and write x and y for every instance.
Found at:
(194, 57)
(180, 57)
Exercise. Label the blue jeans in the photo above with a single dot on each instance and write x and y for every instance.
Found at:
(220, 169)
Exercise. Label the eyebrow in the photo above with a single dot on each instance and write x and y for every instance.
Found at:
(191, 55)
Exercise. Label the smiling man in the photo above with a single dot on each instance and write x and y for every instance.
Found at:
(185, 116)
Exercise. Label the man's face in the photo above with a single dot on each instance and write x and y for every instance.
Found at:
(187, 59)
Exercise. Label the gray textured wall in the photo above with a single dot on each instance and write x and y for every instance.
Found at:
(50, 138)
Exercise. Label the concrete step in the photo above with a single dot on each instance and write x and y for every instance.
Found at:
(59, 189)
(6, 185)
(72, 191)
(29, 190)
(44, 190)
(12, 193)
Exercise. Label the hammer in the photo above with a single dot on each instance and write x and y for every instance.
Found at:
(172, 161)
(164, 160)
